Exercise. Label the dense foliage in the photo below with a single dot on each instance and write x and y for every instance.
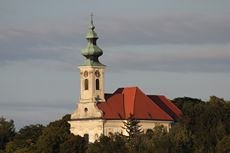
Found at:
(7, 132)
(203, 128)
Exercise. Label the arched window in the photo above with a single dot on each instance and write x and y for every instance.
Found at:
(86, 84)
(97, 84)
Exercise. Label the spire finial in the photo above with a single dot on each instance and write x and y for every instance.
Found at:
(91, 16)
(92, 52)
(91, 26)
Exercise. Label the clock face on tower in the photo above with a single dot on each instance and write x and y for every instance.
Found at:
(97, 73)
(85, 74)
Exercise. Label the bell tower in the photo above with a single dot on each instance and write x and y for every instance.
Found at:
(91, 77)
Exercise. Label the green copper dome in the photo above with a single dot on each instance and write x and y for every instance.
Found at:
(91, 51)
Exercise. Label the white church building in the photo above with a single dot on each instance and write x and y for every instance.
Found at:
(99, 113)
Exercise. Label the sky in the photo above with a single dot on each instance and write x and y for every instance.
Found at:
(174, 48)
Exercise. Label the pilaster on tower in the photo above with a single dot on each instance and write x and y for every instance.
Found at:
(92, 70)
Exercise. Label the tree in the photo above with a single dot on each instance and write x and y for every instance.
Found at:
(180, 139)
(74, 144)
(181, 101)
(154, 141)
(112, 144)
(53, 136)
(7, 132)
(134, 130)
(224, 145)
(206, 122)
(10, 148)
(25, 139)
(132, 127)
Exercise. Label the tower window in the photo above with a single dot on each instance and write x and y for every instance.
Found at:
(97, 84)
(86, 84)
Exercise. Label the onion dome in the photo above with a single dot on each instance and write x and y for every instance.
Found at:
(92, 51)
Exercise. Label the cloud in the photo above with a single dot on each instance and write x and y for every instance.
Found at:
(62, 40)
(171, 59)
(170, 29)
(36, 41)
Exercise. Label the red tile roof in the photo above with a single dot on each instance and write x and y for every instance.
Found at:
(131, 100)
(166, 105)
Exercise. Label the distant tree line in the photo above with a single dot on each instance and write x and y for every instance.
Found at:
(203, 128)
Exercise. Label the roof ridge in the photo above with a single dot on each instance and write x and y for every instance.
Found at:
(156, 105)
(129, 100)
(123, 103)
(135, 91)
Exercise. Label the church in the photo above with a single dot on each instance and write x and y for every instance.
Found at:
(99, 113)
